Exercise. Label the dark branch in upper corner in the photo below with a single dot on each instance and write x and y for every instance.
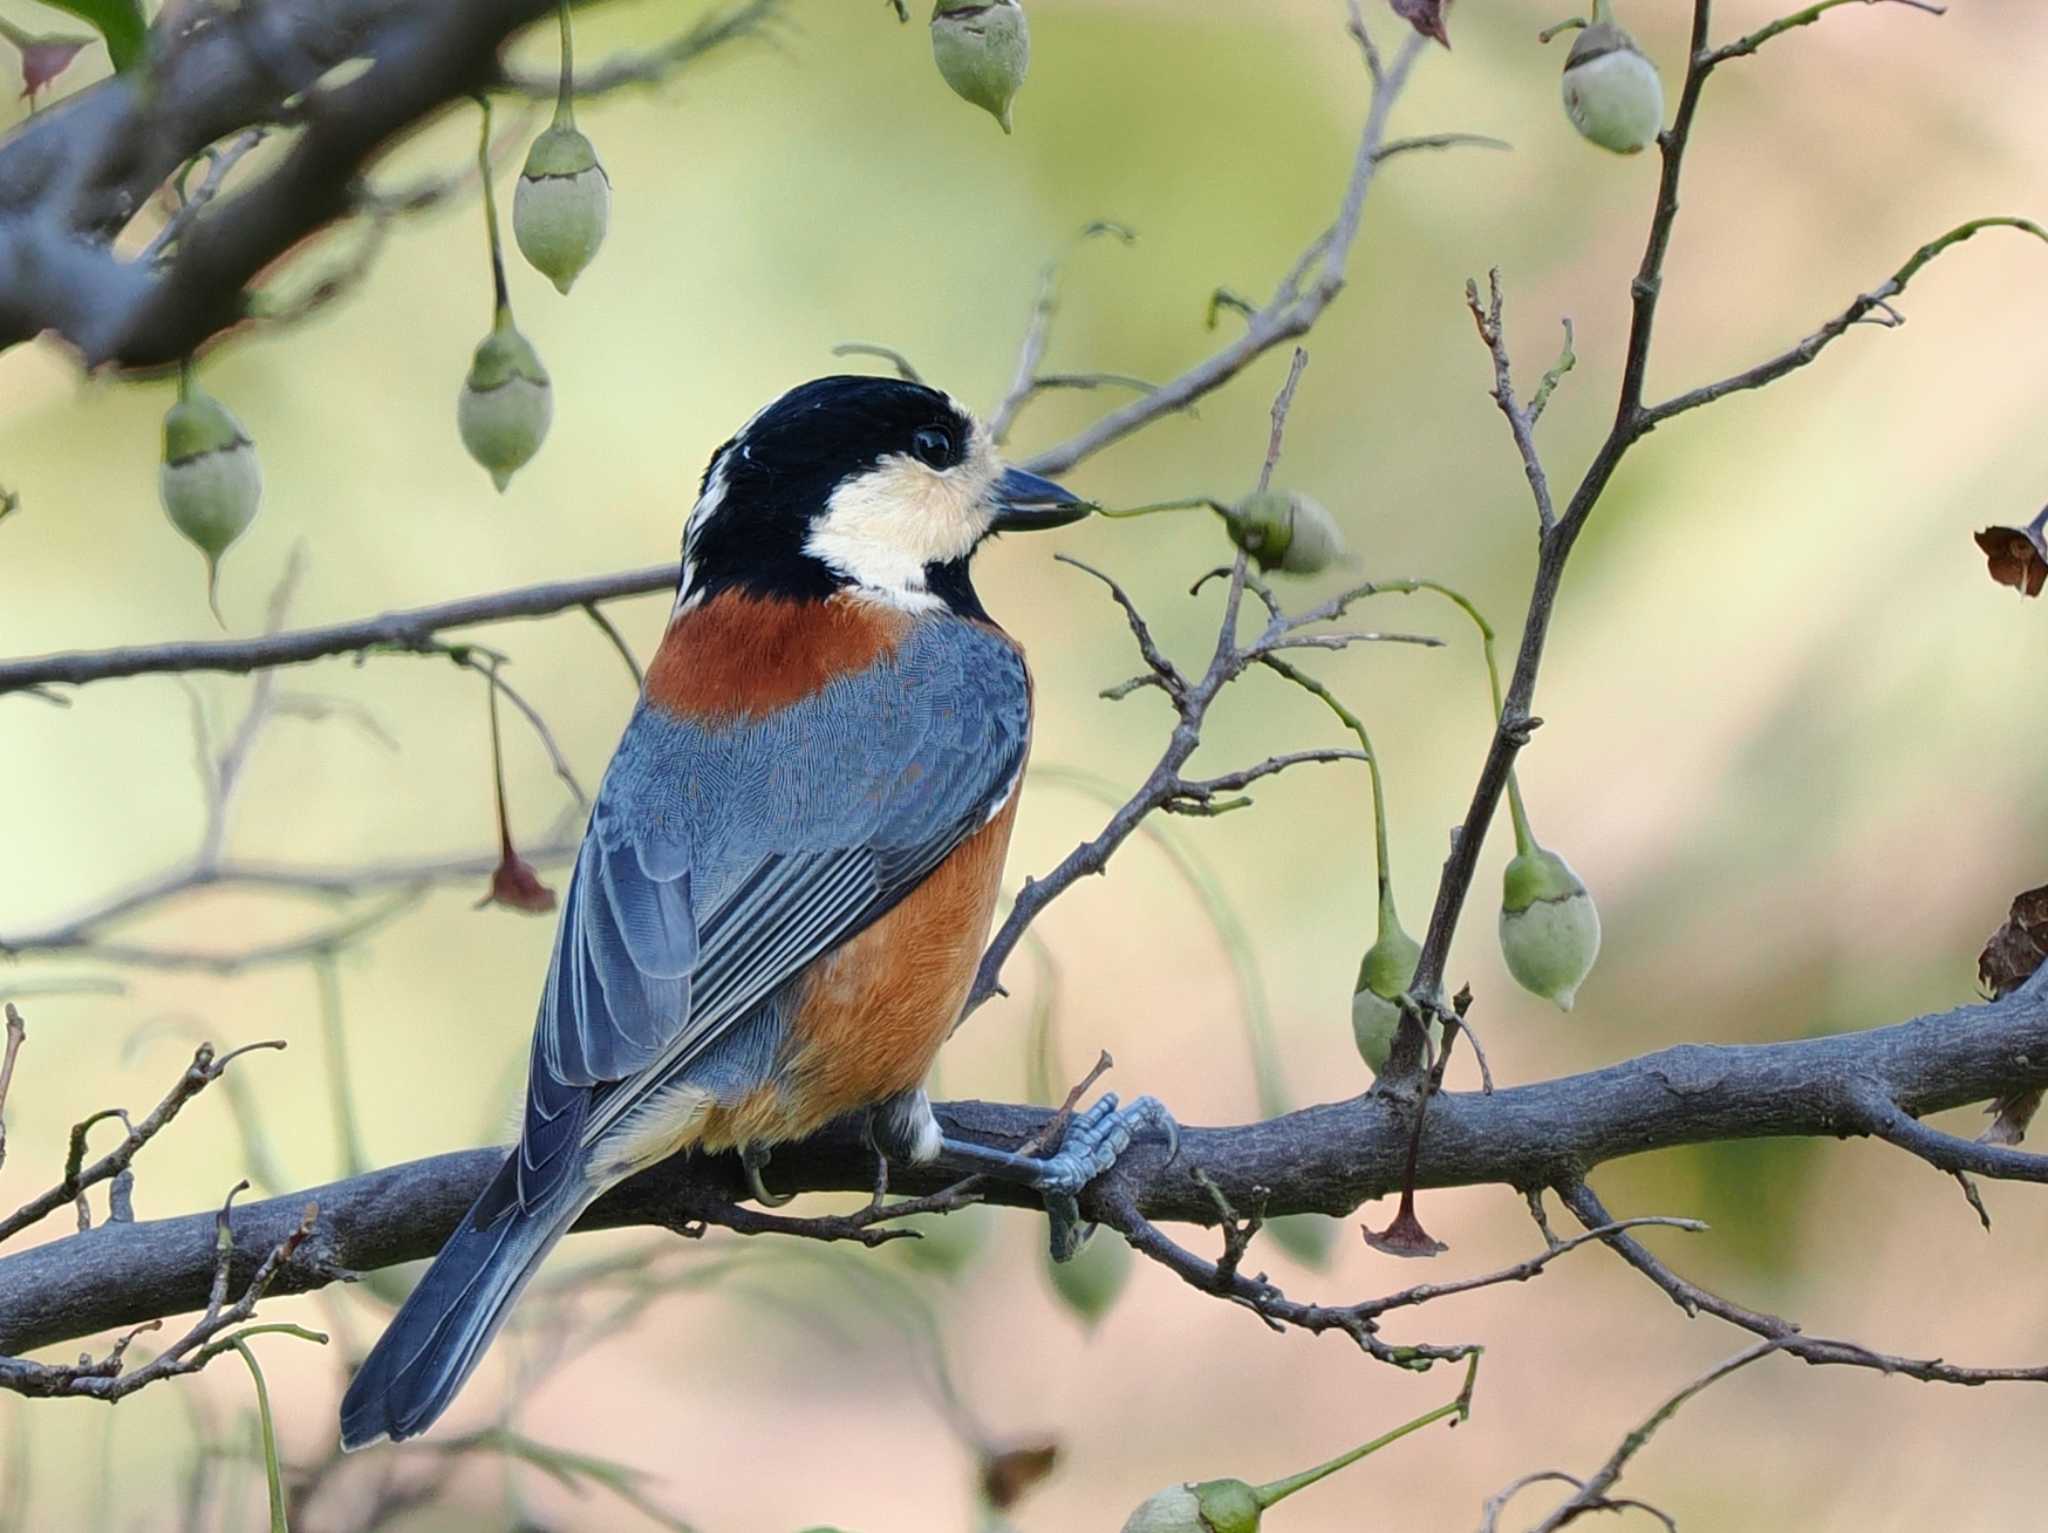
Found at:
(74, 176)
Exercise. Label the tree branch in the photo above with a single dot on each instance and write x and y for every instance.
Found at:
(75, 176)
(411, 630)
(1293, 309)
(1326, 1159)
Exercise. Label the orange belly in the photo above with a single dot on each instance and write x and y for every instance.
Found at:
(872, 1013)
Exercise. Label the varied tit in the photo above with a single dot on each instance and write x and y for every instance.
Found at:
(791, 868)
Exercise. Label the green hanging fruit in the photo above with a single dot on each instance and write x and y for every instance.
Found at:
(1612, 92)
(1232, 1506)
(1384, 975)
(210, 481)
(1285, 530)
(562, 205)
(1173, 1510)
(1093, 1279)
(1214, 1506)
(983, 49)
(507, 402)
(1549, 927)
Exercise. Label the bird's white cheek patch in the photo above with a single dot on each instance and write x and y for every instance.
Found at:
(884, 528)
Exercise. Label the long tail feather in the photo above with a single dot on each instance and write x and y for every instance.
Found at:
(440, 1333)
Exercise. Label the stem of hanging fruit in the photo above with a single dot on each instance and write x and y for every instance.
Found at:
(501, 313)
(565, 90)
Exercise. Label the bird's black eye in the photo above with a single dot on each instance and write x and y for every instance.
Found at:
(933, 446)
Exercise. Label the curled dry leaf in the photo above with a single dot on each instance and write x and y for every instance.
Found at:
(2008, 961)
(1426, 16)
(2010, 1116)
(2018, 556)
(2016, 949)
(1008, 1474)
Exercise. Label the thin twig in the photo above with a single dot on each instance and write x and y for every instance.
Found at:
(1591, 1496)
(610, 630)
(1695, 1300)
(17, 1035)
(414, 630)
(648, 67)
(204, 1070)
(219, 162)
(1293, 309)
(1282, 403)
(1521, 423)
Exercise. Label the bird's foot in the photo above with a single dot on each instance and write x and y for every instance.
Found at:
(752, 1158)
(1093, 1141)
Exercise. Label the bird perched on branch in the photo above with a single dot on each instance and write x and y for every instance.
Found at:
(791, 868)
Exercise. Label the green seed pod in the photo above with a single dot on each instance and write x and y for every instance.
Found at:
(562, 205)
(1173, 1510)
(1549, 928)
(1214, 1506)
(1093, 1280)
(983, 48)
(1611, 90)
(210, 481)
(506, 403)
(1232, 1506)
(1384, 975)
(1287, 531)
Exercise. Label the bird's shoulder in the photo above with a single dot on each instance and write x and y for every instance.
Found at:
(736, 658)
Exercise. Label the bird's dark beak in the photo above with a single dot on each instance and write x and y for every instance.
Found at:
(1027, 503)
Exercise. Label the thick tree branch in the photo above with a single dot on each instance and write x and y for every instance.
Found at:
(77, 174)
(1326, 1159)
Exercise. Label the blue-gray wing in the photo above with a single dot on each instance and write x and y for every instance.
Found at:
(721, 860)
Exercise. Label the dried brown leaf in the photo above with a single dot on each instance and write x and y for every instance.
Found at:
(1008, 1474)
(2017, 948)
(1426, 16)
(2018, 556)
(2010, 1116)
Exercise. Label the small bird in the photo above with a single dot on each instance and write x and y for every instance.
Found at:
(791, 868)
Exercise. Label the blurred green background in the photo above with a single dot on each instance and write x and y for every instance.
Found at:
(1790, 741)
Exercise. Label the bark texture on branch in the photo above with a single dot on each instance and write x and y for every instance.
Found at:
(76, 174)
(1326, 1159)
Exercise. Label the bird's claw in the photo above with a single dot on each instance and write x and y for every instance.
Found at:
(752, 1159)
(1093, 1142)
